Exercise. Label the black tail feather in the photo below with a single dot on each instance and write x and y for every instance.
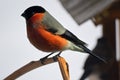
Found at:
(90, 52)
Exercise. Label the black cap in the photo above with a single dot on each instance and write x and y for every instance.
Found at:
(29, 12)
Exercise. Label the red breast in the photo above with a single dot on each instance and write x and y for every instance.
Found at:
(43, 39)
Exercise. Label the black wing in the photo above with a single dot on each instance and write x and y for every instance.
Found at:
(71, 37)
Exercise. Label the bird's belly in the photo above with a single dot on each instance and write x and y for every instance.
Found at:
(46, 41)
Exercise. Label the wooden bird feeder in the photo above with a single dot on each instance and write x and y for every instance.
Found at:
(109, 18)
(105, 13)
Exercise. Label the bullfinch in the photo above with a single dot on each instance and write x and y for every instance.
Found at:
(47, 34)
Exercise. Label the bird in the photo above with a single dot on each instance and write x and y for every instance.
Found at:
(48, 35)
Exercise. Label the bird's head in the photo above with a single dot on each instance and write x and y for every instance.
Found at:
(29, 12)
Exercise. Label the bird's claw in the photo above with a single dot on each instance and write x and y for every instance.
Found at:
(42, 60)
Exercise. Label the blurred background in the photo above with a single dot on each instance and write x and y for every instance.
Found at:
(16, 50)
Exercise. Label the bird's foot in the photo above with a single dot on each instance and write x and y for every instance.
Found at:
(42, 60)
(56, 56)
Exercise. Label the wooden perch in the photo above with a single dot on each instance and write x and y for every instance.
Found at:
(35, 64)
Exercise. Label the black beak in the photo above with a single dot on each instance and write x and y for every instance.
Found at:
(23, 14)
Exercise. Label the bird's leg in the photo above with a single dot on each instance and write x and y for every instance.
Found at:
(58, 54)
(43, 59)
(47, 55)
(55, 57)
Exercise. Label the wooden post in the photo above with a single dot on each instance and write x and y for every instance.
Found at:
(109, 33)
